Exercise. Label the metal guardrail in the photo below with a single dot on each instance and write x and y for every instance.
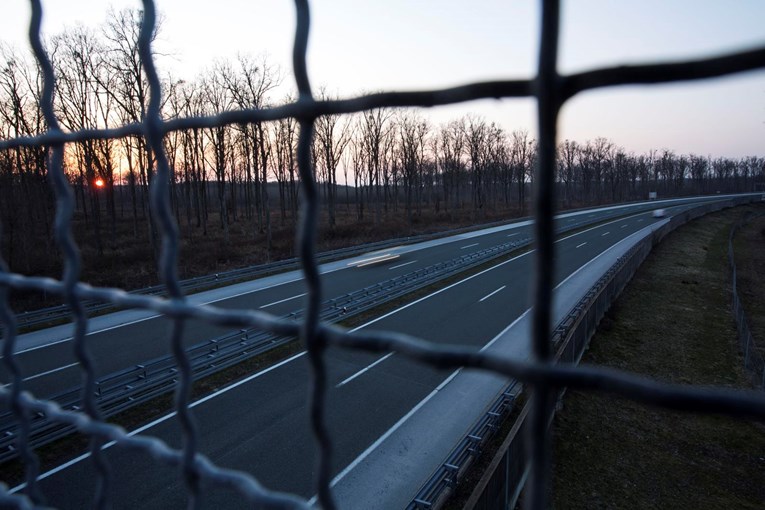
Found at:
(753, 360)
(137, 384)
(119, 391)
(437, 489)
(570, 339)
(196, 473)
(445, 478)
(61, 313)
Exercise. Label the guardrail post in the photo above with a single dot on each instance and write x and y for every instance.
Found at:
(421, 503)
(493, 419)
(451, 480)
(476, 442)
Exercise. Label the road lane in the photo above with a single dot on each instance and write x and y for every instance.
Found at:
(262, 427)
(50, 370)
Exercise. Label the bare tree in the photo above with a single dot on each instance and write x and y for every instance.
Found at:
(374, 129)
(521, 157)
(411, 131)
(249, 81)
(452, 149)
(129, 89)
(217, 99)
(27, 203)
(332, 135)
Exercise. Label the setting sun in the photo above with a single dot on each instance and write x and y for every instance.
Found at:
(99, 183)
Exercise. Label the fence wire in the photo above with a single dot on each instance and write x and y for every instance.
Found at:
(753, 359)
(549, 88)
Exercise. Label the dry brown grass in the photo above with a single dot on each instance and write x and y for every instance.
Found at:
(672, 323)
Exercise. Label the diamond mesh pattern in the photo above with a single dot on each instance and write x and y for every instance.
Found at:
(549, 88)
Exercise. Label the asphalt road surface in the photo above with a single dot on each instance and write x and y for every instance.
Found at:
(51, 367)
(260, 425)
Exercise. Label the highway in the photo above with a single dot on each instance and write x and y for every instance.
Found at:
(49, 365)
(260, 424)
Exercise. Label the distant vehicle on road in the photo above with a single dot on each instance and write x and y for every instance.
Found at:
(659, 213)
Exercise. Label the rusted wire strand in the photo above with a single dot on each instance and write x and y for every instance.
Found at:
(551, 91)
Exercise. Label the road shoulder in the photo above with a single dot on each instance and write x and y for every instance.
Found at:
(673, 323)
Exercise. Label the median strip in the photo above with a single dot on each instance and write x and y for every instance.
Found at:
(256, 346)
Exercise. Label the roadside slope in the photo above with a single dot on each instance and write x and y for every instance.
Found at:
(673, 323)
(749, 249)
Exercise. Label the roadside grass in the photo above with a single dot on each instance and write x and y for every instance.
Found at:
(673, 323)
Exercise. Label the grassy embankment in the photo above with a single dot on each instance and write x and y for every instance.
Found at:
(749, 248)
(673, 323)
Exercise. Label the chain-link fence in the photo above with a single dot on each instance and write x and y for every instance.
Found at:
(542, 375)
(753, 360)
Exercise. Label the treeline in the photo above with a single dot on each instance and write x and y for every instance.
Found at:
(394, 163)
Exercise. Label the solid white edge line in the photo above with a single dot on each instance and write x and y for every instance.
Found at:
(379, 318)
(599, 226)
(461, 281)
(424, 401)
(284, 300)
(358, 460)
(162, 419)
(487, 296)
(404, 307)
(228, 388)
(519, 224)
(142, 319)
(501, 333)
(288, 360)
(368, 367)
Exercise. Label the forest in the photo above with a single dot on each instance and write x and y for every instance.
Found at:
(235, 189)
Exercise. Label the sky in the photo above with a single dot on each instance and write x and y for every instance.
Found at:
(360, 46)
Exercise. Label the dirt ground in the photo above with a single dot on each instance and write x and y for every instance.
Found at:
(673, 323)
